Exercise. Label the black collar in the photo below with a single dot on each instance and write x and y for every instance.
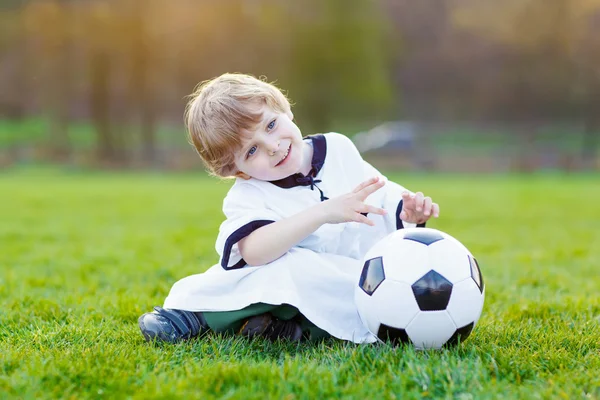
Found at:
(318, 159)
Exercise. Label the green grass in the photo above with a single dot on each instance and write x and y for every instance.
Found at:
(83, 255)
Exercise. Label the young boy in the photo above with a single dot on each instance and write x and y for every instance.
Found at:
(301, 214)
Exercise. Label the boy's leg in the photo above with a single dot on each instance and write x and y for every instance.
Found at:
(232, 321)
(260, 319)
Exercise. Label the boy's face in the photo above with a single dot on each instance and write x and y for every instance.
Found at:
(273, 150)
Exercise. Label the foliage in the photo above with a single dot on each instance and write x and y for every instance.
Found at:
(131, 63)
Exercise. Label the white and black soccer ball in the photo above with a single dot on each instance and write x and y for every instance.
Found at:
(420, 286)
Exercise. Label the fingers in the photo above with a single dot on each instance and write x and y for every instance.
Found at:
(408, 203)
(372, 210)
(427, 204)
(430, 208)
(365, 184)
(370, 188)
(408, 199)
(419, 200)
(362, 219)
(403, 215)
(418, 208)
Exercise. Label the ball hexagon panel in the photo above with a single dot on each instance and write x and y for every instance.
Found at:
(372, 275)
(392, 335)
(406, 261)
(465, 303)
(450, 260)
(395, 304)
(423, 235)
(460, 335)
(432, 291)
(431, 329)
(476, 273)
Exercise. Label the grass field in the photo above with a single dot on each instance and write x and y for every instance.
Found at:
(82, 255)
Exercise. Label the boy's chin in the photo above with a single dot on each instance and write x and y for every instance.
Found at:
(278, 173)
(282, 175)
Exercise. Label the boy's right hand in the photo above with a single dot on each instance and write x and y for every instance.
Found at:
(350, 207)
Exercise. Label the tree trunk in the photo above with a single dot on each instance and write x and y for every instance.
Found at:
(100, 104)
(22, 70)
(58, 96)
(142, 87)
(148, 129)
(591, 132)
(56, 81)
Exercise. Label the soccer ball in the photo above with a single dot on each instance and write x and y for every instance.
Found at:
(420, 286)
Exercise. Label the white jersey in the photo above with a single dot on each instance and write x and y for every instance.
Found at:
(319, 274)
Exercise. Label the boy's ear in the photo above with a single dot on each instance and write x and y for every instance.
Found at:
(242, 175)
(290, 114)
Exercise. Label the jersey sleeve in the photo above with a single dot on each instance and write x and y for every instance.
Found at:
(245, 210)
(389, 197)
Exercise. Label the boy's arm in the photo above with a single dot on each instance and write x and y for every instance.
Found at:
(271, 241)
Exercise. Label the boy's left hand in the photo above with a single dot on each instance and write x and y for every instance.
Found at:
(417, 209)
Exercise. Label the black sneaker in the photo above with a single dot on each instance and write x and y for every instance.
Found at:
(272, 328)
(168, 325)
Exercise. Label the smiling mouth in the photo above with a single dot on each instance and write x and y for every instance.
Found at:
(285, 156)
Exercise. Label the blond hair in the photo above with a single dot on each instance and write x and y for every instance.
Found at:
(220, 109)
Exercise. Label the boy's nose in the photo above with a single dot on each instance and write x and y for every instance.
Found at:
(273, 146)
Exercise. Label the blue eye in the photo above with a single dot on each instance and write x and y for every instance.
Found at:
(271, 125)
(252, 150)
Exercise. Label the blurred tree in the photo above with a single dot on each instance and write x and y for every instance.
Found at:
(49, 25)
(588, 62)
(339, 66)
(13, 49)
(143, 82)
(128, 64)
(98, 34)
(425, 73)
(554, 59)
